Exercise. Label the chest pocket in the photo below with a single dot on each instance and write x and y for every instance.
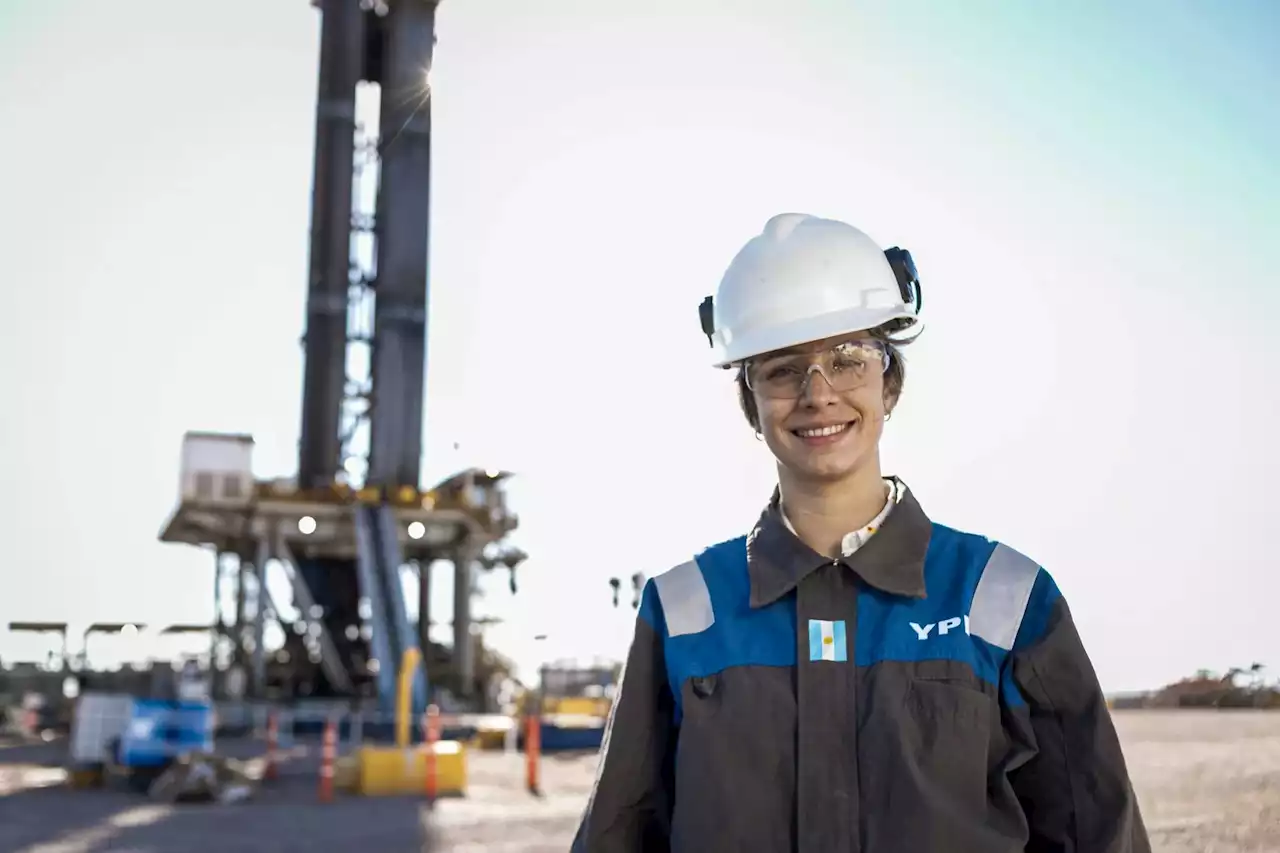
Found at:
(947, 728)
(941, 736)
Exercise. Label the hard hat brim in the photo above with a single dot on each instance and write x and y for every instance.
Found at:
(804, 331)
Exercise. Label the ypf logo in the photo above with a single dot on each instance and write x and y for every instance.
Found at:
(946, 626)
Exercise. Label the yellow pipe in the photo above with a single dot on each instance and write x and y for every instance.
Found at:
(404, 695)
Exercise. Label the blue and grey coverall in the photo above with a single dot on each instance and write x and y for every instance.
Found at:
(927, 694)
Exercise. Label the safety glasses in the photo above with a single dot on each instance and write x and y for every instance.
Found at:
(845, 367)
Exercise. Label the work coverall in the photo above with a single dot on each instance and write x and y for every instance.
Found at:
(927, 694)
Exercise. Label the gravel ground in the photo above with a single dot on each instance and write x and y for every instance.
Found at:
(1209, 783)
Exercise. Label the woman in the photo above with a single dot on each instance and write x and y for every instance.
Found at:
(850, 676)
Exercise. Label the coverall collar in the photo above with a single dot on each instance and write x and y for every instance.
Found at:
(891, 561)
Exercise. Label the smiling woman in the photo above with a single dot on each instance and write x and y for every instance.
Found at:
(812, 313)
(847, 637)
(866, 367)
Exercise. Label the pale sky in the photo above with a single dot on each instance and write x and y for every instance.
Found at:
(1090, 192)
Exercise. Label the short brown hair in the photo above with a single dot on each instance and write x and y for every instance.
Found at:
(890, 334)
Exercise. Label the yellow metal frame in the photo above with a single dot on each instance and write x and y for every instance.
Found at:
(404, 695)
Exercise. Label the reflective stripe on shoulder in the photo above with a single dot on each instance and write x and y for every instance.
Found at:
(686, 601)
(1000, 601)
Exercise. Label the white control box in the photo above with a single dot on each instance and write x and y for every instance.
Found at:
(217, 468)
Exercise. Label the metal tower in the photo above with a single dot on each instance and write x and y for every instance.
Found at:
(363, 375)
(357, 516)
(365, 340)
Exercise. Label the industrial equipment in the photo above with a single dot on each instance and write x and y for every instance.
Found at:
(355, 519)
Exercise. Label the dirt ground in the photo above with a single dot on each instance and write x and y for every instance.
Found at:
(1208, 782)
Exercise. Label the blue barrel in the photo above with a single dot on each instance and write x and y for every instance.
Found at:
(160, 730)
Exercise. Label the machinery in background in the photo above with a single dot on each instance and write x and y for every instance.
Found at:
(343, 637)
(355, 519)
(573, 701)
(579, 689)
(40, 699)
(136, 737)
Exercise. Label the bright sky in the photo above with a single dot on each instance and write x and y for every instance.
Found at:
(1090, 193)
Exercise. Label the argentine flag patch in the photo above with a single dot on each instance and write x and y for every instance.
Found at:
(827, 641)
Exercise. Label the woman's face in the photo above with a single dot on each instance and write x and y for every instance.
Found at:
(822, 405)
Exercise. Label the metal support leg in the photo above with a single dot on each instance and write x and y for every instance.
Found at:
(218, 628)
(244, 569)
(260, 619)
(424, 606)
(463, 648)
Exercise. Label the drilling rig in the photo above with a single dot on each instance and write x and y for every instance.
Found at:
(356, 518)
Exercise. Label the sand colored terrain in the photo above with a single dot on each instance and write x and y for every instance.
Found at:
(1208, 782)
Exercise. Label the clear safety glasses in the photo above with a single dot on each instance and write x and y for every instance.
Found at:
(845, 367)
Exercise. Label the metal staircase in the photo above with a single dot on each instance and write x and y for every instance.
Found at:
(378, 562)
(330, 659)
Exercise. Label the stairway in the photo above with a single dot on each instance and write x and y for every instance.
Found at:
(378, 562)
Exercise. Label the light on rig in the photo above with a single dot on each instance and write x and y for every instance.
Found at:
(417, 530)
(306, 525)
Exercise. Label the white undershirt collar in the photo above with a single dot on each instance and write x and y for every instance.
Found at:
(857, 538)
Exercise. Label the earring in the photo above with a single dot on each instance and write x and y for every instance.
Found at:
(759, 435)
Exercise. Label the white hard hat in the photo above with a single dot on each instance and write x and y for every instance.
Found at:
(804, 279)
